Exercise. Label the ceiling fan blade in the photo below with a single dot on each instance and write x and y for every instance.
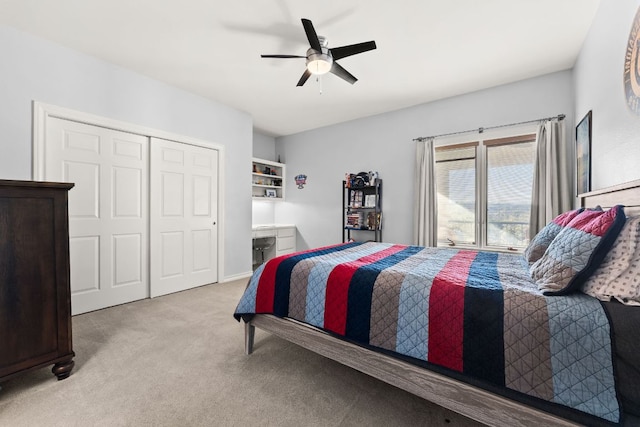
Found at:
(282, 56)
(344, 51)
(342, 73)
(311, 35)
(304, 77)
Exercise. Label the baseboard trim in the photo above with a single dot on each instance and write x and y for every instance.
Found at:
(241, 276)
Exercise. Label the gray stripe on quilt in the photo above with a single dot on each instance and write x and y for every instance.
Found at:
(527, 357)
(298, 288)
(385, 302)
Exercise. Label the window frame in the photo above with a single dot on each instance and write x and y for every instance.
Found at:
(487, 138)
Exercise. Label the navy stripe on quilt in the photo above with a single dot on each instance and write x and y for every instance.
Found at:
(484, 320)
(361, 290)
(283, 275)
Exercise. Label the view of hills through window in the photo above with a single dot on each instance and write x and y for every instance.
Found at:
(504, 194)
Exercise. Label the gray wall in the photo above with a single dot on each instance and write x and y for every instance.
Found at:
(599, 87)
(33, 69)
(264, 147)
(384, 143)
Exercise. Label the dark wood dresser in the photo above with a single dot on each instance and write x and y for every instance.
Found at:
(35, 295)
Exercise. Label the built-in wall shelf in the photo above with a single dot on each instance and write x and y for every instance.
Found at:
(267, 180)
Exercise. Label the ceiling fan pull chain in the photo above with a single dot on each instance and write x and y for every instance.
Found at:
(319, 80)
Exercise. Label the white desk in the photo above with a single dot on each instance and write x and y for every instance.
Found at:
(285, 235)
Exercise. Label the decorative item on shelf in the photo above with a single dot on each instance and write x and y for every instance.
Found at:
(371, 220)
(270, 192)
(347, 180)
(361, 179)
(267, 170)
(301, 180)
(255, 168)
(373, 176)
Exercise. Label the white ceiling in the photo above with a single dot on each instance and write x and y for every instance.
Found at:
(427, 49)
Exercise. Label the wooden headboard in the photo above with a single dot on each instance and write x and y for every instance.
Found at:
(627, 194)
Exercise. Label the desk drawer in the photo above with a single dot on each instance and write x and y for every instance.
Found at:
(286, 243)
(287, 232)
(267, 232)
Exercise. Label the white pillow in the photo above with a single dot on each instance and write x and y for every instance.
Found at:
(618, 276)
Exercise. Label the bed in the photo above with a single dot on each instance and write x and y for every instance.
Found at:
(498, 374)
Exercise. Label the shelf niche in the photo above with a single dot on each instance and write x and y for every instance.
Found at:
(267, 180)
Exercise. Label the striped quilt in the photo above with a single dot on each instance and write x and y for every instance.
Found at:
(476, 313)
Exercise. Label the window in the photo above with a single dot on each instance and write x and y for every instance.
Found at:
(456, 184)
(484, 192)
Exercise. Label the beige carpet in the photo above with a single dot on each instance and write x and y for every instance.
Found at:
(178, 360)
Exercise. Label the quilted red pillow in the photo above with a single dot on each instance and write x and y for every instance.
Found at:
(577, 250)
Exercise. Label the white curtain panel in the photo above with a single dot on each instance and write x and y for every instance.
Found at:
(425, 210)
(552, 183)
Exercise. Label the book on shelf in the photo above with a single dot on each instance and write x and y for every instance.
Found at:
(355, 220)
(370, 201)
(356, 198)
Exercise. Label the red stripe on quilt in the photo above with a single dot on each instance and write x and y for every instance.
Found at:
(446, 312)
(267, 286)
(335, 307)
(266, 291)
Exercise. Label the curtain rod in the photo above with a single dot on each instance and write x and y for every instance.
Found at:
(480, 130)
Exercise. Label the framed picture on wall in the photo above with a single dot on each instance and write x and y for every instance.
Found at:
(583, 155)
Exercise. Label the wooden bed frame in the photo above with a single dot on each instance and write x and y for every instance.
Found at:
(470, 401)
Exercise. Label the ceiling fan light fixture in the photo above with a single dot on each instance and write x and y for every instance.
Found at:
(319, 62)
(319, 66)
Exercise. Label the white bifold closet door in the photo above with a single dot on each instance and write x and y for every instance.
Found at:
(142, 215)
(108, 210)
(184, 215)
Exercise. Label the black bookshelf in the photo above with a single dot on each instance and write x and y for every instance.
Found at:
(362, 212)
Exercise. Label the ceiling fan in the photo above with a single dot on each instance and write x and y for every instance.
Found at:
(321, 59)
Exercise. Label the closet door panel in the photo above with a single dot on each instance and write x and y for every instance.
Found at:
(184, 210)
(108, 210)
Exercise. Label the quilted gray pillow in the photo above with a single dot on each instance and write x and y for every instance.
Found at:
(577, 250)
(543, 239)
(618, 277)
